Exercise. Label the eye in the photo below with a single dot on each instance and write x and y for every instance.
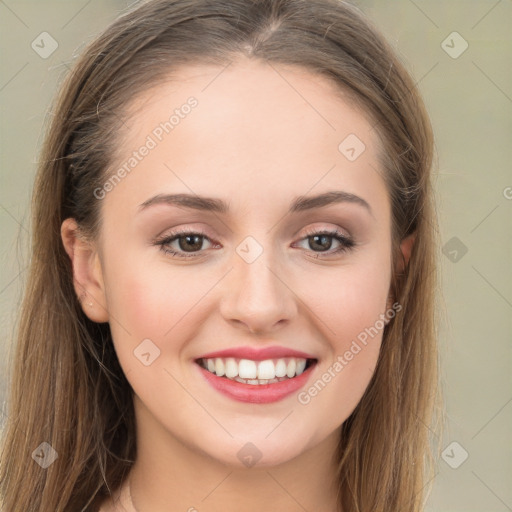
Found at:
(320, 239)
(188, 242)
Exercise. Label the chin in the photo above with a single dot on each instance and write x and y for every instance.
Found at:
(259, 452)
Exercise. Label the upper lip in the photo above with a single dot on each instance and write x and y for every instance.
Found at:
(258, 354)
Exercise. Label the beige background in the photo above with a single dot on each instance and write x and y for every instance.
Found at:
(470, 102)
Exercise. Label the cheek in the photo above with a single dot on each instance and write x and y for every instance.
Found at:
(350, 305)
(147, 299)
(137, 301)
(349, 299)
(341, 379)
(353, 310)
(156, 303)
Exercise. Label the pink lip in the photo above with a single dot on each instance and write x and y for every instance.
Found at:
(257, 394)
(257, 354)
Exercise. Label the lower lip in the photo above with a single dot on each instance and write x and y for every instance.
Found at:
(256, 394)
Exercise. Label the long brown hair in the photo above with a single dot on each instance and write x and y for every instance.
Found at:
(68, 388)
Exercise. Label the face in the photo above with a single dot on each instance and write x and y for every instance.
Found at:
(259, 281)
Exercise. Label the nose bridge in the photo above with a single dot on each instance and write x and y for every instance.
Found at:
(256, 294)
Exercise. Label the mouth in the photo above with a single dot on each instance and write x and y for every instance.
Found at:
(256, 381)
(256, 373)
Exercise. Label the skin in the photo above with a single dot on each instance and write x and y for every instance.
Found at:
(257, 143)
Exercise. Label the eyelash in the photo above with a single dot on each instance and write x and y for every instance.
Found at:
(346, 242)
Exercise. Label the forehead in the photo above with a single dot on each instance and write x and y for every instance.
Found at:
(256, 131)
(263, 94)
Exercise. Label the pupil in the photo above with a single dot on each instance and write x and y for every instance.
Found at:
(191, 237)
(323, 237)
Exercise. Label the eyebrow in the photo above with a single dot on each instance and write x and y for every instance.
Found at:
(299, 204)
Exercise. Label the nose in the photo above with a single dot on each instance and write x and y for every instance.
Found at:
(256, 296)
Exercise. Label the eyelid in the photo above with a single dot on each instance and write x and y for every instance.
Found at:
(167, 238)
(346, 241)
(315, 229)
(182, 231)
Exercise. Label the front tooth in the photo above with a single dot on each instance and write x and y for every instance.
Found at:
(281, 368)
(301, 365)
(290, 369)
(266, 369)
(231, 368)
(219, 367)
(211, 365)
(247, 369)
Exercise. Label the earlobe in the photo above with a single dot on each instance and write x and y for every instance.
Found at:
(87, 275)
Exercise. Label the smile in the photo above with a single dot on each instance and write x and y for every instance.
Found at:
(256, 373)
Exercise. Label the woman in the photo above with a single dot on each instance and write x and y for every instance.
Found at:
(190, 338)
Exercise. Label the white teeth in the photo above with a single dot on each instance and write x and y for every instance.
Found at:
(247, 371)
(219, 367)
(231, 368)
(266, 369)
(281, 368)
(301, 365)
(292, 366)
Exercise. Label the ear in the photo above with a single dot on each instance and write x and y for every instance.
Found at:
(406, 249)
(87, 274)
